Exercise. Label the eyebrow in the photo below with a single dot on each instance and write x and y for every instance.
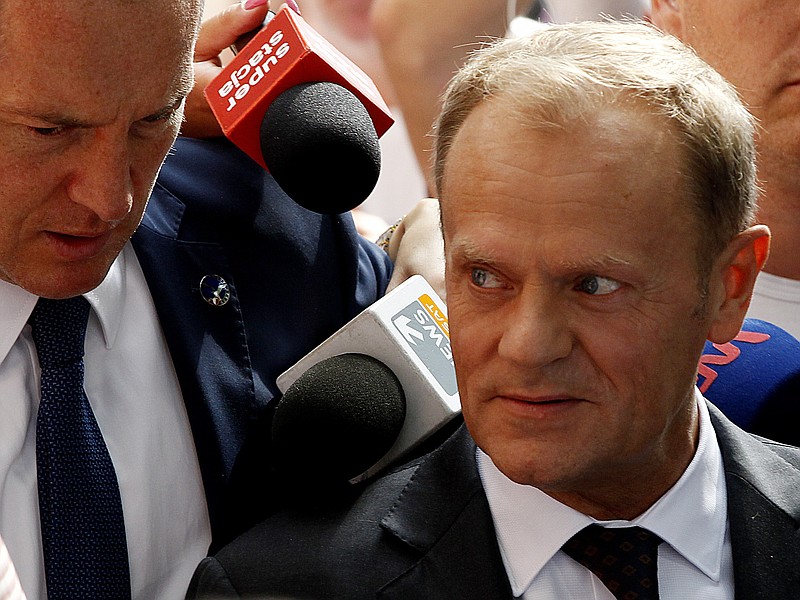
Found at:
(471, 252)
(595, 263)
(468, 251)
(64, 120)
(53, 118)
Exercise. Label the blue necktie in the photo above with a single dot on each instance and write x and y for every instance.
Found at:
(83, 533)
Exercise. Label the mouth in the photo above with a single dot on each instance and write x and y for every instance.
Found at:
(77, 246)
(540, 399)
(549, 400)
(540, 406)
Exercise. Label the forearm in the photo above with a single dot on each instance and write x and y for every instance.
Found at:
(423, 43)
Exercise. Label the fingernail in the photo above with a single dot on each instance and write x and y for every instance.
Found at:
(293, 5)
(251, 4)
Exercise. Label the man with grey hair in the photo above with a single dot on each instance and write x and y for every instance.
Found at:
(143, 322)
(597, 188)
(91, 102)
(754, 45)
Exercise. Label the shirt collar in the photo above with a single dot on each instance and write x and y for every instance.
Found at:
(16, 305)
(107, 300)
(691, 516)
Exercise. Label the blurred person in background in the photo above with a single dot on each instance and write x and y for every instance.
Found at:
(424, 43)
(755, 44)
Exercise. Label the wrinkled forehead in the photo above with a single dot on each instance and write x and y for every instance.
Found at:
(103, 48)
(103, 25)
(620, 145)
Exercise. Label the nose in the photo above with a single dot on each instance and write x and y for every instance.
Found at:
(102, 181)
(536, 331)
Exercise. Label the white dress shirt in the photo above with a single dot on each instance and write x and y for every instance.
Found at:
(135, 395)
(694, 561)
(10, 588)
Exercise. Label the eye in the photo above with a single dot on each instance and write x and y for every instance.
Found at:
(155, 125)
(595, 285)
(166, 114)
(159, 117)
(484, 279)
(47, 131)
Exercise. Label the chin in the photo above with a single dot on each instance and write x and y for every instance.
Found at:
(65, 282)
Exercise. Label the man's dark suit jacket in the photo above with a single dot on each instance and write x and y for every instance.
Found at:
(425, 531)
(294, 278)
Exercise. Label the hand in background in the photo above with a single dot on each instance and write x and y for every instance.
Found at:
(423, 43)
(417, 247)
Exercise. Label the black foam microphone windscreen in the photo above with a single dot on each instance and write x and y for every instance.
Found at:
(320, 145)
(329, 172)
(338, 419)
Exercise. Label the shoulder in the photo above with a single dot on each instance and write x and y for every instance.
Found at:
(193, 166)
(325, 522)
(215, 187)
(742, 450)
(790, 454)
(336, 551)
(210, 192)
(758, 470)
(350, 546)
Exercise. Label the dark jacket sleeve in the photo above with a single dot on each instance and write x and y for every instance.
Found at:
(211, 582)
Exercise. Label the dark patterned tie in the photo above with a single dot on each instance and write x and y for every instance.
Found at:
(83, 533)
(623, 559)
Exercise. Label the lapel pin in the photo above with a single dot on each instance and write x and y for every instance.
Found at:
(214, 290)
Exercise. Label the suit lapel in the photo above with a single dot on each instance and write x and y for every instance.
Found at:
(211, 360)
(443, 514)
(763, 512)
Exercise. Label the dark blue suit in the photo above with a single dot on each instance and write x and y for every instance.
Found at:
(294, 276)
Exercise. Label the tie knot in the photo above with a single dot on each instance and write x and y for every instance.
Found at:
(624, 559)
(59, 329)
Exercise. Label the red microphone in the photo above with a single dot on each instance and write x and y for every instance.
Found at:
(305, 112)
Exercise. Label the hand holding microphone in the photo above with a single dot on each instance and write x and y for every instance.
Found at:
(216, 35)
(305, 112)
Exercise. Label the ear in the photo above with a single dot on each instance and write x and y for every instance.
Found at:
(667, 16)
(735, 275)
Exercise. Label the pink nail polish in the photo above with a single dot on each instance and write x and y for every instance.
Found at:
(293, 5)
(251, 4)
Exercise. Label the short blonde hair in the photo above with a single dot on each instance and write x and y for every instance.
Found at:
(562, 73)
